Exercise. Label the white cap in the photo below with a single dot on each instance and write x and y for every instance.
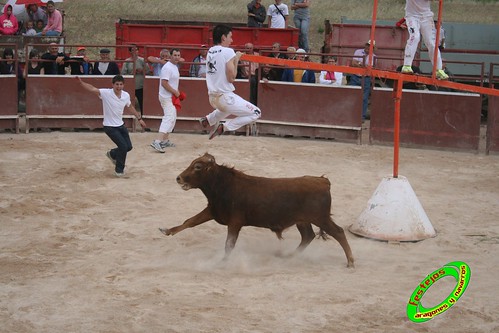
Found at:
(301, 51)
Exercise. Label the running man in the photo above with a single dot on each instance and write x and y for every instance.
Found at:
(114, 101)
(419, 21)
(168, 89)
(221, 73)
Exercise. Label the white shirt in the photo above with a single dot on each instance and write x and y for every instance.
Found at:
(277, 21)
(113, 107)
(338, 77)
(216, 64)
(170, 73)
(418, 8)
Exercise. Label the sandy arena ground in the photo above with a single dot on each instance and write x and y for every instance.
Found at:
(80, 250)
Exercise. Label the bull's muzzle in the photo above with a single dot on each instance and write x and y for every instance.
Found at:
(182, 184)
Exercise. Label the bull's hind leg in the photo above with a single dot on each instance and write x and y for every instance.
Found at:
(307, 235)
(337, 232)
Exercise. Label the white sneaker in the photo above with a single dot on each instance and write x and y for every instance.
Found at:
(166, 144)
(157, 146)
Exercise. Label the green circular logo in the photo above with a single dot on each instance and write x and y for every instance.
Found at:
(459, 270)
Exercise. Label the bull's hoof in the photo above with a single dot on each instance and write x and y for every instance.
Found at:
(165, 231)
(350, 265)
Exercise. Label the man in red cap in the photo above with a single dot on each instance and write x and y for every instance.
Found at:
(80, 64)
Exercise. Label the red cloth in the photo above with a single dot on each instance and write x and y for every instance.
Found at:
(176, 100)
(330, 76)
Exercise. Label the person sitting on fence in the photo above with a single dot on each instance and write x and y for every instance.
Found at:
(54, 23)
(30, 29)
(198, 68)
(39, 25)
(36, 13)
(329, 77)
(296, 74)
(105, 66)
(8, 22)
(55, 62)
(80, 64)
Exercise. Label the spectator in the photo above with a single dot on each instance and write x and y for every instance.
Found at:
(276, 71)
(278, 15)
(331, 78)
(8, 66)
(419, 21)
(141, 70)
(248, 70)
(105, 66)
(361, 58)
(441, 38)
(256, 14)
(30, 29)
(34, 66)
(54, 23)
(198, 68)
(80, 64)
(158, 63)
(291, 52)
(296, 74)
(168, 90)
(55, 62)
(35, 13)
(8, 22)
(302, 21)
(39, 26)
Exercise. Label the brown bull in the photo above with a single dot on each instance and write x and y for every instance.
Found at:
(237, 200)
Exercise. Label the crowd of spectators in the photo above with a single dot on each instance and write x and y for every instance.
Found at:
(36, 21)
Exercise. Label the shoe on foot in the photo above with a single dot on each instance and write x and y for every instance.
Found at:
(108, 154)
(119, 174)
(441, 75)
(204, 122)
(157, 146)
(166, 144)
(407, 70)
(219, 130)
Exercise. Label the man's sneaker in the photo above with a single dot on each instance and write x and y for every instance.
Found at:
(204, 122)
(441, 75)
(157, 146)
(166, 144)
(108, 154)
(119, 174)
(219, 130)
(407, 70)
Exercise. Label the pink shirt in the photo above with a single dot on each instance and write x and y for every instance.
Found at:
(54, 23)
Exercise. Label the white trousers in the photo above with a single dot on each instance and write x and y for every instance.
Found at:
(418, 26)
(169, 117)
(231, 104)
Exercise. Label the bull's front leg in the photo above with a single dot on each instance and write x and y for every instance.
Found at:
(200, 218)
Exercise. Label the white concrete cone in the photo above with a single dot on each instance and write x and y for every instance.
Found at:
(394, 214)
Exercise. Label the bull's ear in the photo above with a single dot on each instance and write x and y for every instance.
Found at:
(211, 158)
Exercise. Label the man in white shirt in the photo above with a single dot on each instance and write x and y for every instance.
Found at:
(221, 73)
(114, 102)
(419, 21)
(168, 88)
(278, 15)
